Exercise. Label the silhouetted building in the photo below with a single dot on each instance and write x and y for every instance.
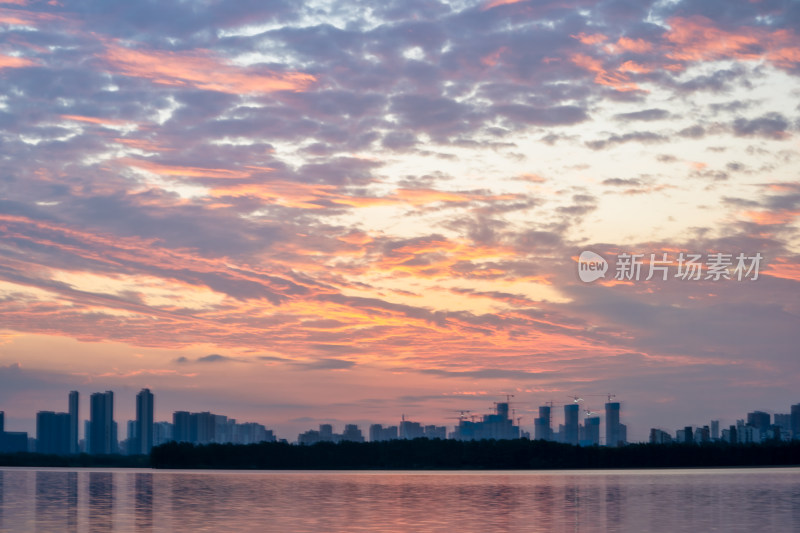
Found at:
(570, 433)
(795, 421)
(688, 435)
(352, 433)
(494, 426)
(11, 441)
(180, 426)
(658, 436)
(52, 432)
(326, 433)
(784, 421)
(144, 422)
(589, 433)
(378, 433)
(542, 428)
(102, 428)
(435, 432)
(162, 433)
(411, 430)
(760, 421)
(74, 415)
(715, 430)
(616, 433)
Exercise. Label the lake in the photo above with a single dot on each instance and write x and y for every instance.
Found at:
(43, 499)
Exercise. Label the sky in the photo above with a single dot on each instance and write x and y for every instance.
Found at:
(296, 213)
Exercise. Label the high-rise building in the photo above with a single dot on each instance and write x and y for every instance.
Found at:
(542, 430)
(614, 431)
(52, 432)
(162, 433)
(181, 426)
(74, 414)
(658, 436)
(144, 422)
(435, 432)
(11, 442)
(352, 433)
(411, 430)
(570, 434)
(102, 428)
(715, 430)
(784, 421)
(590, 432)
(795, 421)
(758, 420)
(379, 433)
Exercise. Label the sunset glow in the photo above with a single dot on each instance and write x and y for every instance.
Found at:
(377, 211)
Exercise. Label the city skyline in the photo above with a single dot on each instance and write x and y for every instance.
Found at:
(297, 211)
(580, 426)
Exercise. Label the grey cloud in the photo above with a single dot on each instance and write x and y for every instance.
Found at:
(637, 136)
(770, 126)
(645, 114)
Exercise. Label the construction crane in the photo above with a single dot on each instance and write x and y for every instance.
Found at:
(608, 395)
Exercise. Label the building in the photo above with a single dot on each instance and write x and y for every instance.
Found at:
(570, 433)
(143, 442)
(542, 428)
(52, 433)
(11, 442)
(616, 433)
(411, 430)
(162, 433)
(658, 436)
(352, 434)
(181, 420)
(715, 430)
(74, 415)
(102, 427)
(378, 433)
(589, 433)
(760, 421)
(494, 426)
(784, 421)
(795, 421)
(435, 432)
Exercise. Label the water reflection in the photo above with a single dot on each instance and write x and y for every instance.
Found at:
(143, 502)
(101, 501)
(56, 501)
(399, 501)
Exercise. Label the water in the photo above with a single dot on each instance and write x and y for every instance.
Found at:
(638, 500)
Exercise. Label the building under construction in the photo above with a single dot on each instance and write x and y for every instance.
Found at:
(493, 426)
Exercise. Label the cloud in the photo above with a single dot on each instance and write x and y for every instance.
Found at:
(200, 69)
(770, 126)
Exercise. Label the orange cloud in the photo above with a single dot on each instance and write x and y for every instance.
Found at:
(617, 81)
(698, 38)
(495, 3)
(594, 38)
(183, 171)
(624, 44)
(94, 120)
(202, 70)
(14, 62)
(772, 217)
(780, 268)
(142, 144)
